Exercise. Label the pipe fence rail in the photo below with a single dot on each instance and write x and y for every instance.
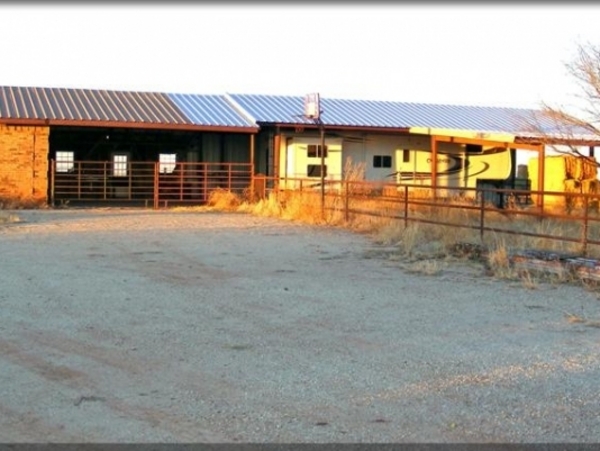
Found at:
(147, 183)
(486, 210)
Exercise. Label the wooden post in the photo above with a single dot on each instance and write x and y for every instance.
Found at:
(434, 166)
(541, 171)
(276, 157)
(513, 167)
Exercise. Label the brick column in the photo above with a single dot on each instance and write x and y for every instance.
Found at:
(24, 163)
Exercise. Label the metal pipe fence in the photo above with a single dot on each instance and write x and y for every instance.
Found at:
(485, 210)
(148, 183)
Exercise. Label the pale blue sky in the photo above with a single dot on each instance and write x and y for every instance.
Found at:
(497, 55)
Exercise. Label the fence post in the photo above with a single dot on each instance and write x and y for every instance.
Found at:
(481, 214)
(405, 206)
(346, 200)
(156, 187)
(584, 238)
(105, 181)
(78, 180)
(52, 182)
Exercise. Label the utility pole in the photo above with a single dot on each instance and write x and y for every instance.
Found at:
(312, 111)
(322, 128)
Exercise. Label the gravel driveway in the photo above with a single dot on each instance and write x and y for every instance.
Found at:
(165, 326)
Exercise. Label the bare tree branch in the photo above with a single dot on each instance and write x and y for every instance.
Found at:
(560, 129)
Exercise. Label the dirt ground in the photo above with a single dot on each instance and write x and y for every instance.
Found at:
(164, 326)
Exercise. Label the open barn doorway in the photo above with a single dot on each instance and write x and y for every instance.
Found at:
(146, 167)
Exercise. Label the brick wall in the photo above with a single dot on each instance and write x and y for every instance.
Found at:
(24, 163)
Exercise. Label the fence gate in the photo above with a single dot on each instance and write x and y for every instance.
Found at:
(144, 183)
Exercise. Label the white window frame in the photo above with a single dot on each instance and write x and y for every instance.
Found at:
(120, 164)
(65, 161)
(167, 163)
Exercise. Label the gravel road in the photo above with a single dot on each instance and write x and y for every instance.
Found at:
(127, 325)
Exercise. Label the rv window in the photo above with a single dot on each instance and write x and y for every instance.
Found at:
(314, 151)
(382, 161)
(473, 148)
(65, 161)
(314, 170)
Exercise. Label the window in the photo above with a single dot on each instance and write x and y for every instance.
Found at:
(166, 162)
(120, 165)
(314, 170)
(405, 156)
(65, 161)
(314, 151)
(473, 148)
(382, 161)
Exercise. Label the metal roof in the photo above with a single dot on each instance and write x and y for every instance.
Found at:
(272, 109)
(124, 108)
(246, 112)
(210, 110)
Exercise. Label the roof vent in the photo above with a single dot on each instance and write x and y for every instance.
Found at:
(312, 109)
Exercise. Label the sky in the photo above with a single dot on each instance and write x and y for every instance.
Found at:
(492, 55)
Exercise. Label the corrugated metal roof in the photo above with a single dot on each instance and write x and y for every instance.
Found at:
(210, 109)
(388, 114)
(244, 112)
(122, 107)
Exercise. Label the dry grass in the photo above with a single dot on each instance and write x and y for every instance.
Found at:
(499, 262)
(6, 218)
(20, 203)
(367, 211)
(225, 200)
(528, 280)
(576, 319)
(429, 267)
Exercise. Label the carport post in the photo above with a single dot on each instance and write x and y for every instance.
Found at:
(541, 171)
(252, 141)
(276, 157)
(434, 165)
